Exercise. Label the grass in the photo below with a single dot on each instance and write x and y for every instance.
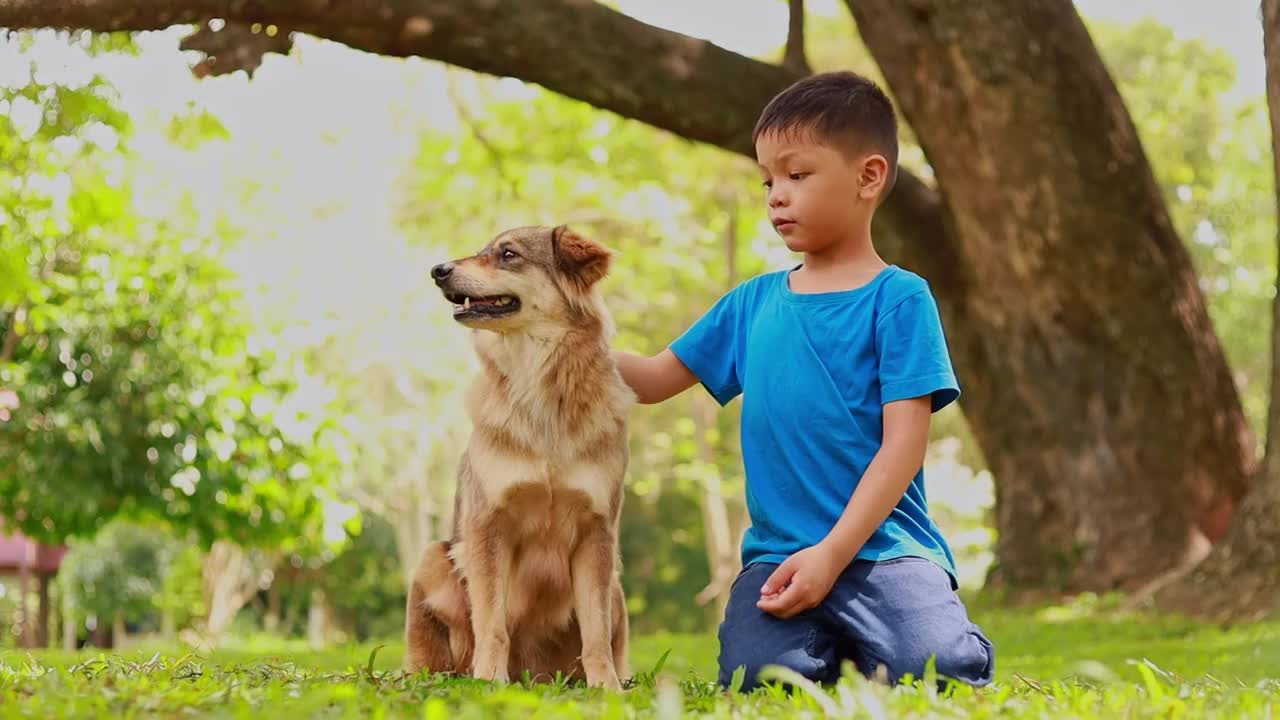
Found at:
(1054, 662)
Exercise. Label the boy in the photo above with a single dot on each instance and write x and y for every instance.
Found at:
(840, 361)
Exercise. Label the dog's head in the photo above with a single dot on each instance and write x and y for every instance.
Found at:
(525, 276)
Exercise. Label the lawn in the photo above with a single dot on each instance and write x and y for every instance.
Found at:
(1053, 662)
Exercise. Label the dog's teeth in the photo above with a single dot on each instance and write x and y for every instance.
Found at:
(466, 304)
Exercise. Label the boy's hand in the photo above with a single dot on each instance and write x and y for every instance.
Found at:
(801, 581)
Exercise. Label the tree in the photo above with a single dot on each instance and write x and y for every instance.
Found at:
(134, 384)
(1069, 347)
(118, 576)
(1240, 578)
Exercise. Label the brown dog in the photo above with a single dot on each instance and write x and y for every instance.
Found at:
(529, 581)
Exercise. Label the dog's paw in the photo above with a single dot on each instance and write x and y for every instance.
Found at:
(492, 672)
(605, 678)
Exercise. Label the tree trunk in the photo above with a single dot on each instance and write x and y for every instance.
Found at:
(70, 624)
(119, 632)
(42, 613)
(1240, 579)
(1093, 379)
(230, 580)
(723, 559)
(168, 626)
(723, 556)
(319, 620)
(100, 636)
(271, 618)
(26, 628)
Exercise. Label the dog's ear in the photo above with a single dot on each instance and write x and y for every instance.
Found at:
(580, 256)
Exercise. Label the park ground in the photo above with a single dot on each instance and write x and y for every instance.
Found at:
(1083, 660)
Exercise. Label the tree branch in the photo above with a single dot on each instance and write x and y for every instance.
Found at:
(10, 343)
(477, 132)
(235, 46)
(577, 48)
(793, 57)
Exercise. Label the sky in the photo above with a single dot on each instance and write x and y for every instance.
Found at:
(758, 26)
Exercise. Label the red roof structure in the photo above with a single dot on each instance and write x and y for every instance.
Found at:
(19, 553)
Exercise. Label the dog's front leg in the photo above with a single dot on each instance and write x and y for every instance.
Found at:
(592, 570)
(488, 560)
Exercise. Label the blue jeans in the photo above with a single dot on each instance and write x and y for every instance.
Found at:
(897, 613)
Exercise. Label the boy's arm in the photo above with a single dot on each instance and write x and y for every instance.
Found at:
(656, 378)
(805, 578)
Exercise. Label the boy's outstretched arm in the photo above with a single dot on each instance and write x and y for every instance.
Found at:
(655, 378)
(805, 578)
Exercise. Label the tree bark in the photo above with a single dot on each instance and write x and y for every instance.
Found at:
(1096, 385)
(42, 612)
(319, 620)
(70, 624)
(230, 578)
(1093, 379)
(119, 632)
(1240, 579)
(793, 55)
(27, 634)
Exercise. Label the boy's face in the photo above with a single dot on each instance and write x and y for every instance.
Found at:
(817, 194)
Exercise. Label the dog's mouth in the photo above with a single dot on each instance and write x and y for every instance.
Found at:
(467, 306)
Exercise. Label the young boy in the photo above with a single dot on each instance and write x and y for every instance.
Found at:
(840, 362)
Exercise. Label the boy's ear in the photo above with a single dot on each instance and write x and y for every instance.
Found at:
(579, 256)
(874, 178)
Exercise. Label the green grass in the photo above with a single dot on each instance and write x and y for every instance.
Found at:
(1057, 662)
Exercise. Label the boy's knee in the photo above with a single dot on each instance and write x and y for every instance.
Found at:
(752, 640)
(752, 663)
(968, 658)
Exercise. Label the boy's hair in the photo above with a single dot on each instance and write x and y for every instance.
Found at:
(843, 109)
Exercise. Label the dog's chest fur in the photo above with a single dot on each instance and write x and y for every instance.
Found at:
(549, 424)
(546, 458)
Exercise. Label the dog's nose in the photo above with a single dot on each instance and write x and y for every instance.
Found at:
(441, 271)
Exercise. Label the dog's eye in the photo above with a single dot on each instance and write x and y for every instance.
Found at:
(509, 254)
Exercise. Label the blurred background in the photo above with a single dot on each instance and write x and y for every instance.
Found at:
(229, 393)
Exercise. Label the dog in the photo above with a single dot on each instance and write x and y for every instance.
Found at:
(529, 581)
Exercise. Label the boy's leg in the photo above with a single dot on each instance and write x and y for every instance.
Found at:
(900, 612)
(753, 638)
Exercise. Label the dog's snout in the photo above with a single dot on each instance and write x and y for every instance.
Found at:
(441, 271)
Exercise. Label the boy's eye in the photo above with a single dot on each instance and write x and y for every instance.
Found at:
(799, 176)
(767, 183)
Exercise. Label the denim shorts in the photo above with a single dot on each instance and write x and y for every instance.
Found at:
(885, 617)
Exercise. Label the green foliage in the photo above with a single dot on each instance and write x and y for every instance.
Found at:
(197, 126)
(181, 594)
(1213, 163)
(142, 389)
(119, 573)
(363, 584)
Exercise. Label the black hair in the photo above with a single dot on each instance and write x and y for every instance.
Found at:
(843, 109)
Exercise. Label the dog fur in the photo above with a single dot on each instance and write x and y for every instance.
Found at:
(529, 580)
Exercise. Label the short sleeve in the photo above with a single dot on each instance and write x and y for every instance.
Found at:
(913, 355)
(709, 348)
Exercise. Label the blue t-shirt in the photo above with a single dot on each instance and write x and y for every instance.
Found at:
(813, 371)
